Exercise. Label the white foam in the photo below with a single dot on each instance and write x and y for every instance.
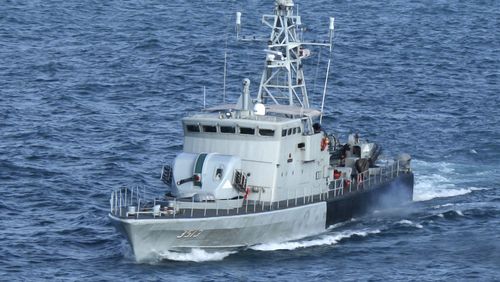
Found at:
(337, 225)
(478, 189)
(410, 223)
(442, 167)
(440, 193)
(442, 206)
(329, 239)
(195, 255)
(126, 250)
(459, 213)
(434, 180)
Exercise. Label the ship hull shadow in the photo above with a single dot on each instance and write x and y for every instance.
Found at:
(389, 194)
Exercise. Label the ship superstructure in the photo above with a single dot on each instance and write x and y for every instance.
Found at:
(261, 170)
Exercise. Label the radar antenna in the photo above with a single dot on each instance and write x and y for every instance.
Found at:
(282, 80)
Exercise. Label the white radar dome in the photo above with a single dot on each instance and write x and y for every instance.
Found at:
(259, 109)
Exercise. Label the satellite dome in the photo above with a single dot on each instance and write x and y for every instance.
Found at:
(259, 109)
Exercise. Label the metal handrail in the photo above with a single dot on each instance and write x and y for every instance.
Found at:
(121, 199)
(119, 205)
(367, 179)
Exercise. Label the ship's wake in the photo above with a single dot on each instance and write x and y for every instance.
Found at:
(437, 180)
(326, 239)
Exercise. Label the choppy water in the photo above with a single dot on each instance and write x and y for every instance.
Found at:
(91, 93)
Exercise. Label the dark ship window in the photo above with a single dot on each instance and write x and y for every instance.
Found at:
(356, 151)
(301, 145)
(227, 129)
(298, 129)
(283, 132)
(266, 132)
(209, 128)
(218, 174)
(294, 130)
(289, 131)
(247, 130)
(193, 128)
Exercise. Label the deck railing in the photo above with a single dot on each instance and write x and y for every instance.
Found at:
(132, 203)
(375, 176)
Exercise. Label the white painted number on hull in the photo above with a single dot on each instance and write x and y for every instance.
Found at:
(190, 234)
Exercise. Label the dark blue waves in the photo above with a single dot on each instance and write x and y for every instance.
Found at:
(91, 94)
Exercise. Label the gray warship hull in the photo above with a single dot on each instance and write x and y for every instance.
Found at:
(151, 237)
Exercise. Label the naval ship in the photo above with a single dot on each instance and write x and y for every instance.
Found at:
(262, 170)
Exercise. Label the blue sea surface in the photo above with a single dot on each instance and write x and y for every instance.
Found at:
(92, 93)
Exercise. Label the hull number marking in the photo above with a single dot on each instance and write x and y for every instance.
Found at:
(190, 234)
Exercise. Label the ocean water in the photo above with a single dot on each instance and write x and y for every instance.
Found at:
(92, 92)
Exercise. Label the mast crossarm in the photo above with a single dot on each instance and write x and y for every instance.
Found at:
(252, 39)
(266, 22)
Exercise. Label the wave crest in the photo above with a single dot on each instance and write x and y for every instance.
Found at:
(410, 223)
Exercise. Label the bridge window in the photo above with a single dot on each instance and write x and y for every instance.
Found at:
(291, 131)
(209, 128)
(227, 129)
(266, 132)
(247, 130)
(192, 128)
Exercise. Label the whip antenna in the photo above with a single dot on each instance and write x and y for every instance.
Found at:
(332, 27)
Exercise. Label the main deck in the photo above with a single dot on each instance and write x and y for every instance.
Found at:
(136, 204)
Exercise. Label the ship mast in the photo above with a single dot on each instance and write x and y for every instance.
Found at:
(283, 79)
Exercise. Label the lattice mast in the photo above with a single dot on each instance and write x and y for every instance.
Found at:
(283, 78)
